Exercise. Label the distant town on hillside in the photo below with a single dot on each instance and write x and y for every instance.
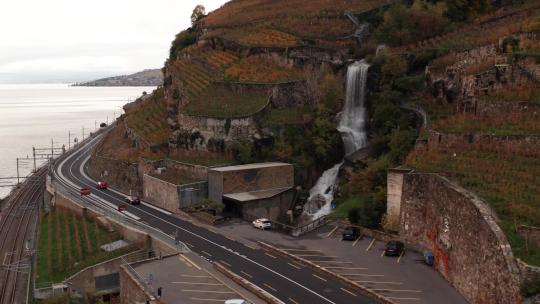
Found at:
(150, 77)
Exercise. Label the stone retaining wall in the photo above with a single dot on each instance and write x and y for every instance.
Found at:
(470, 249)
(437, 139)
(121, 175)
(531, 234)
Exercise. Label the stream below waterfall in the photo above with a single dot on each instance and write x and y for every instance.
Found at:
(352, 129)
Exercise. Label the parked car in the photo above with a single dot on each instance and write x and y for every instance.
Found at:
(262, 223)
(122, 207)
(102, 185)
(394, 248)
(237, 301)
(133, 200)
(85, 191)
(350, 234)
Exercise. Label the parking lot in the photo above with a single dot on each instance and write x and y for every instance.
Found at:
(404, 279)
(184, 281)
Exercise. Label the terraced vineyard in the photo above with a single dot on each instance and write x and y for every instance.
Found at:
(148, 119)
(260, 70)
(194, 76)
(506, 176)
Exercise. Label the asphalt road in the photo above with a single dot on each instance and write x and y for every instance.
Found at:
(276, 275)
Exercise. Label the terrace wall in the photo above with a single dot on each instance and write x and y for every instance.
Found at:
(120, 174)
(470, 250)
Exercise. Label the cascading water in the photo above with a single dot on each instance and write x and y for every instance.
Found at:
(352, 129)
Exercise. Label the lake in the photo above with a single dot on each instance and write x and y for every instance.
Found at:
(33, 114)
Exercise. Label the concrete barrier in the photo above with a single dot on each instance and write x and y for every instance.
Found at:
(366, 291)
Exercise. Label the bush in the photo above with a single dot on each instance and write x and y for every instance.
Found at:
(364, 211)
(531, 287)
(183, 40)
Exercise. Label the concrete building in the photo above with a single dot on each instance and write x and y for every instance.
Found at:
(253, 190)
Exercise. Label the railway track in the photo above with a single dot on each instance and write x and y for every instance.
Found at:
(15, 225)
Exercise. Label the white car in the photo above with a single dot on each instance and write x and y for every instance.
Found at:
(262, 223)
(237, 301)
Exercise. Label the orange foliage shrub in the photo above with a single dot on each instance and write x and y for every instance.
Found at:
(262, 70)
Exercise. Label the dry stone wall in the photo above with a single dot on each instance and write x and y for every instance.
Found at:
(121, 175)
(470, 249)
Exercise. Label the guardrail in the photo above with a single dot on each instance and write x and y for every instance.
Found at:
(295, 231)
(147, 288)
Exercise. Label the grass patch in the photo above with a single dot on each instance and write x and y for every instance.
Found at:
(220, 102)
(54, 262)
(507, 177)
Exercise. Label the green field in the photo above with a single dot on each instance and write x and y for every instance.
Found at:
(68, 244)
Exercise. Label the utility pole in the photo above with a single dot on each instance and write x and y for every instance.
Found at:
(34, 152)
(18, 179)
(95, 125)
(52, 148)
(83, 133)
(69, 139)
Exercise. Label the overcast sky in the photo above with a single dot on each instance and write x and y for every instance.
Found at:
(75, 40)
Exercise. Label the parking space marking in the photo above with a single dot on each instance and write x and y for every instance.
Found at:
(190, 261)
(318, 277)
(208, 254)
(294, 265)
(246, 274)
(270, 287)
(375, 282)
(356, 241)
(223, 262)
(401, 255)
(396, 290)
(268, 254)
(349, 292)
(394, 298)
(371, 244)
(294, 302)
(207, 300)
(382, 253)
(198, 283)
(332, 232)
(208, 291)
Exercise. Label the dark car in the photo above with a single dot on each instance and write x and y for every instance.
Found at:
(351, 234)
(102, 185)
(394, 248)
(133, 200)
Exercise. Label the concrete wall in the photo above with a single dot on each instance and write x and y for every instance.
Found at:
(394, 185)
(131, 291)
(119, 174)
(246, 179)
(470, 249)
(272, 208)
(161, 193)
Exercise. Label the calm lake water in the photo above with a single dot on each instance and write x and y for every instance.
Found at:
(33, 114)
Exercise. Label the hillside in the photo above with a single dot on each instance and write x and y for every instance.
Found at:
(260, 80)
(146, 78)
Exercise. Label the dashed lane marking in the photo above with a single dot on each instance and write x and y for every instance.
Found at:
(189, 244)
(270, 287)
(194, 276)
(223, 262)
(268, 254)
(294, 265)
(382, 253)
(299, 250)
(208, 254)
(318, 277)
(334, 262)
(316, 256)
(361, 275)
(370, 245)
(348, 291)
(293, 301)
(246, 274)
(396, 290)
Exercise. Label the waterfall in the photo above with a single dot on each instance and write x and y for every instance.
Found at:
(352, 129)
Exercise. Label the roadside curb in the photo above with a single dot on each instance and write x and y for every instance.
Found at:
(325, 271)
(262, 294)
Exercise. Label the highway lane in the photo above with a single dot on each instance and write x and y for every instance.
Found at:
(274, 274)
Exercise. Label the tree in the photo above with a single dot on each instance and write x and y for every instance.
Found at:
(198, 12)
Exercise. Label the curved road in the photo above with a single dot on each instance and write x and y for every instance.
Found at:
(289, 283)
